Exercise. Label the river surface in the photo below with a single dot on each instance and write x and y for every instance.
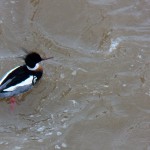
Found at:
(95, 93)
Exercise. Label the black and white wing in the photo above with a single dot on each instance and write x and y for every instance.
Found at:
(16, 81)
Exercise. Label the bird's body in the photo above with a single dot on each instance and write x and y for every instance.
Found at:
(19, 80)
(22, 78)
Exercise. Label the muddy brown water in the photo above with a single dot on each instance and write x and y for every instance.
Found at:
(95, 93)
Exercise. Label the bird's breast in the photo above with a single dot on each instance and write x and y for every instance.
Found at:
(39, 69)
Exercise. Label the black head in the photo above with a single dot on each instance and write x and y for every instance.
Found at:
(32, 59)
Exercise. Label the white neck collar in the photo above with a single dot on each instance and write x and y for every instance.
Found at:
(34, 68)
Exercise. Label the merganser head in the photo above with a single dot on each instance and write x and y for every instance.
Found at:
(32, 59)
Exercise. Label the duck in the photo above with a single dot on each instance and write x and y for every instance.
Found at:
(22, 78)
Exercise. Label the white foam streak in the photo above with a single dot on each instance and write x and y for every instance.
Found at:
(114, 44)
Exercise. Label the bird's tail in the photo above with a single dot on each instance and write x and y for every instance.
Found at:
(3, 86)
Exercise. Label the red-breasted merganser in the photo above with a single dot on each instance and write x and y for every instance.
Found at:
(22, 78)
